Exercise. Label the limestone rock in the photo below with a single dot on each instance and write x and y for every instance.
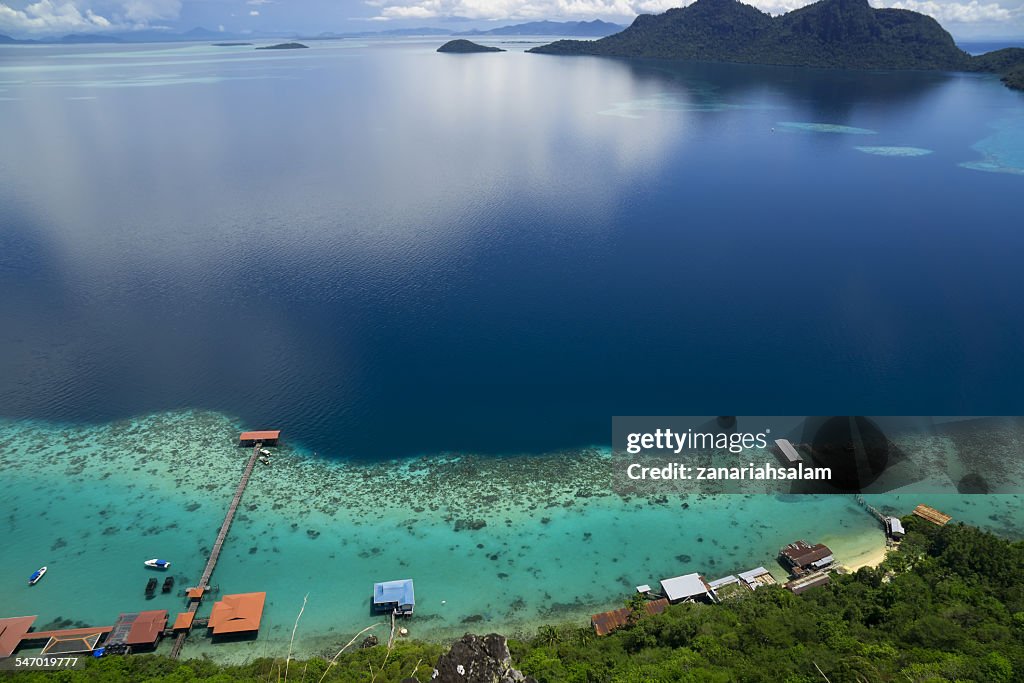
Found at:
(478, 659)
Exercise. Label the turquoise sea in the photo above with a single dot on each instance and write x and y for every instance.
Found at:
(557, 544)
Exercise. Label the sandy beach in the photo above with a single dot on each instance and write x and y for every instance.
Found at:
(869, 558)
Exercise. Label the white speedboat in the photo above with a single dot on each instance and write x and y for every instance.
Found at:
(157, 564)
(36, 575)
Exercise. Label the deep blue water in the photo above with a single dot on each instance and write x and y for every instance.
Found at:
(386, 251)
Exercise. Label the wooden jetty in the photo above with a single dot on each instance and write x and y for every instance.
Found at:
(195, 594)
(871, 509)
(932, 515)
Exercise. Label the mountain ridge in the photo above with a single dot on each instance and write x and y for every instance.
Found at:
(828, 33)
(591, 29)
(848, 34)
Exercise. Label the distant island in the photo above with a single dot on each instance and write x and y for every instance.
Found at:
(230, 44)
(583, 29)
(846, 34)
(463, 46)
(284, 46)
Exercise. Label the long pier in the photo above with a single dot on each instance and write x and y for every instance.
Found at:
(211, 563)
(872, 510)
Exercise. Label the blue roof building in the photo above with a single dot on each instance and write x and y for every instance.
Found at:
(394, 596)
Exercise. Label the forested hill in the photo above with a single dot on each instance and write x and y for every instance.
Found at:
(830, 33)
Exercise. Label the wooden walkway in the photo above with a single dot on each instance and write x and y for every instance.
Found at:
(871, 509)
(211, 563)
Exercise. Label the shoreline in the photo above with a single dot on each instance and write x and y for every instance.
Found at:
(871, 558)
(503, 544)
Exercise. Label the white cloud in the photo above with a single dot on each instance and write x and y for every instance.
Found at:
(254, 13)
(144, 11)
(962, 12)
(46, 15)
(955, 12)
(55, 16)
(517, 9)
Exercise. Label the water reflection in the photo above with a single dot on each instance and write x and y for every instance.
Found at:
(387, 251)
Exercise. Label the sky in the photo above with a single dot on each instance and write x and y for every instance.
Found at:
(965, 19)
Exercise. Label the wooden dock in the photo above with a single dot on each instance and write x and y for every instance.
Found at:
(872, 510)
(932, 515)
(196, 597)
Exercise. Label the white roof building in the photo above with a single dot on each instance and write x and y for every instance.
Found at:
(750, 577)
(724, 581)
(684, 587)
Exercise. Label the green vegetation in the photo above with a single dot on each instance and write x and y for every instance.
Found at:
(846, 34)
(1014, 78)
(948, 606)
(466, 46)
(1009, 62)
(830, 33)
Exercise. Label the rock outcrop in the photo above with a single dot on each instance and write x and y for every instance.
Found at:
(478, 659)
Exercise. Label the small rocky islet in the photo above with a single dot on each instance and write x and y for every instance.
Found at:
(284, 46)
(463, 46)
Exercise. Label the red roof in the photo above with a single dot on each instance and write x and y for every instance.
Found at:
(267, 435)
(237, 613)
(147, 627)
(184, 620)
(67, 632)
(801, 554)
(606, 622)
(12, 629)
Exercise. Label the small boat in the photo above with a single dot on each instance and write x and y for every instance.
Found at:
(151, 587)
(36, 575)
(168, 585)
(157, 564)
(264, 451)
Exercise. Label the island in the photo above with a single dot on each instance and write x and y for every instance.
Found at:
(284, 46)
(229, 44)
(462, 46)
(843, 34)
(1015, 78)
(1008, 62)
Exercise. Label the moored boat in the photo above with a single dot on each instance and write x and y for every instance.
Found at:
(36, 575)
(157, 564)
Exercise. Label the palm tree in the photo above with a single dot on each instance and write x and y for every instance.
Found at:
(549, 635)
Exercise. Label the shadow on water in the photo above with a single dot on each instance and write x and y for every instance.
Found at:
(406, 270)
(827, 94)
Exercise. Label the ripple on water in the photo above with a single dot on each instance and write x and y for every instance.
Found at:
(700, 100)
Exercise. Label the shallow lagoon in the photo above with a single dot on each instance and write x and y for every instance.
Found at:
(93, 503)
